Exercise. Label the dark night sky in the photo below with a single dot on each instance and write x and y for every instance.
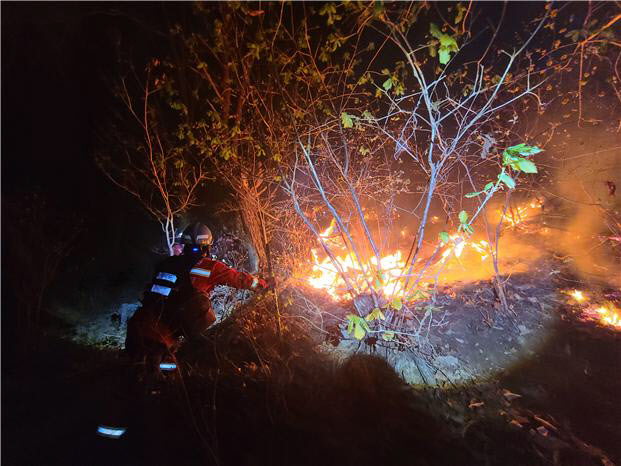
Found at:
(56, 61)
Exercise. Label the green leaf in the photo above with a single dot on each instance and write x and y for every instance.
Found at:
(506, 179)
(508, 158)
(375, 314)
(444, 55)
(463, 217)
(388, 335)
(435, 32)
(447, 44)
(358, 332)
(367, 115)
(515, 149)
(444, 237)
(378, 7)
(357, 326)
(347, 120)
(387, 84)
(526, 166)
(396, 303)
(487, 187)
(523, 149)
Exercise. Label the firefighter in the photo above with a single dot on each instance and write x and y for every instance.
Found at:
(176, 302)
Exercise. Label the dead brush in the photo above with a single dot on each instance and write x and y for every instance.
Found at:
(288, 403)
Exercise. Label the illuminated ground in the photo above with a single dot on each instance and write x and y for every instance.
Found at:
(557, 399)
(495, 390)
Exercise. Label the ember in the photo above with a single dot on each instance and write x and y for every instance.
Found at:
(577, 295)
(609, 316)
(606, 315)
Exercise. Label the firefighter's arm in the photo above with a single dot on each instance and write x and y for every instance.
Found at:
(224, 275)
(201, 277)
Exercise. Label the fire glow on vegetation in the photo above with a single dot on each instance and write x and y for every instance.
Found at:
(517, 216)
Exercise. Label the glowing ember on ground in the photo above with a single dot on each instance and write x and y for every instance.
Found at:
(577, 295)
(609, 316)
(606, 315)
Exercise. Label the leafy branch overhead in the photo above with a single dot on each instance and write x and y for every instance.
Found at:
(447, 44)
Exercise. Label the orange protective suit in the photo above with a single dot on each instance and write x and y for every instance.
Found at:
(177, 303)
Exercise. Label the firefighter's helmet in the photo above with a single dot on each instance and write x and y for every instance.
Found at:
(197, 237)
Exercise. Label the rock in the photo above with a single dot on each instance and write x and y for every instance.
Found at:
(126, 311)
(409, 371)
(523, 330)
(446, 361)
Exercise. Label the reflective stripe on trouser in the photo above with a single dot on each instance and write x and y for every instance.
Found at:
(159, 289)
(111, 431)
(169, 277)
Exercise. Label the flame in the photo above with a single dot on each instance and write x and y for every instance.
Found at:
(577, 295)
(325, 274)
(518, 215)
(609, 315)
(386, 277)
(605, 315)
(482, 247)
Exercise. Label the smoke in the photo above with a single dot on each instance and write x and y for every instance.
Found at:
(588, 211)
